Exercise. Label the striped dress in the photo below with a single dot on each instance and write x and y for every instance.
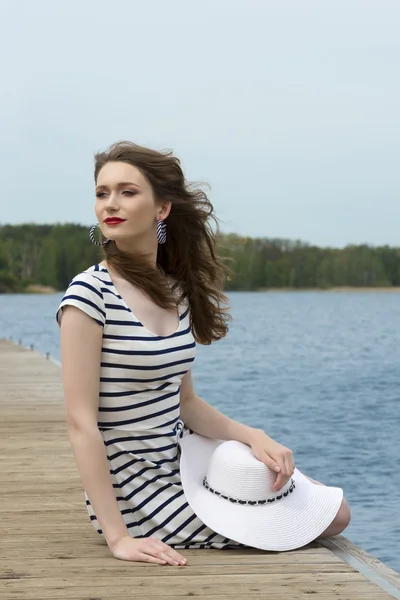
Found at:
(139, 414)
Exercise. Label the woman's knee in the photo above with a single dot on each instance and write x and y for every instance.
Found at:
(340, 522)
(342, 519)
(343, 516)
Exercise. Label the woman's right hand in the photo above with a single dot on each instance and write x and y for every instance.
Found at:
(151, 550)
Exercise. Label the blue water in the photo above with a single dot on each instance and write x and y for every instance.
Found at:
(319, 372)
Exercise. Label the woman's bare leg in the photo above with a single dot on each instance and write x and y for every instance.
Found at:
(342, 519)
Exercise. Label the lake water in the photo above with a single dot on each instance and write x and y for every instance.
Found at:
(319, 372)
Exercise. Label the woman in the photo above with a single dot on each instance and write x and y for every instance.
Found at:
(128, 328)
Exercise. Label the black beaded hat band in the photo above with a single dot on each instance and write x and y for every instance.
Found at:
(250, 502)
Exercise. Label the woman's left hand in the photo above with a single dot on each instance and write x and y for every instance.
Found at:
(274, 455)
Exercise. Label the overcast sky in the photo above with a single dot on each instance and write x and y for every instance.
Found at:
(290, 109)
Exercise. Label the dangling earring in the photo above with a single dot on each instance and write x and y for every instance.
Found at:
(161, 232)
(91, 235)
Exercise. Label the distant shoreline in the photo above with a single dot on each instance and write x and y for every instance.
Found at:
(393, 289)
(42, 289)
(34, 289)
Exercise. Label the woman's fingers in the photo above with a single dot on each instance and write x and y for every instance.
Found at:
(168, 550)
(169, 559)
(173, 557)
(278, 466)
(281, 479)
(174, 554)
(285, 472)
(270, 462)
(147, 549)
(151, 559)
(289, 462)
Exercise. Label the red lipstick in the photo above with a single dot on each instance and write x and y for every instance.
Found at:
(113, 220)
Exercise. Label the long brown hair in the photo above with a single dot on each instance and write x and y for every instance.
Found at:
(189, 254)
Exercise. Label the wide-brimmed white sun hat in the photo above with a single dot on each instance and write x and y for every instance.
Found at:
(230, 490)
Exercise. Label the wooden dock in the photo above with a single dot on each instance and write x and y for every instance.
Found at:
(49, 549)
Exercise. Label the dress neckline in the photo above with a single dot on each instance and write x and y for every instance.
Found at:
(155, 335)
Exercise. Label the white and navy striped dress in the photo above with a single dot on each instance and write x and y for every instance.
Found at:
(139, 414)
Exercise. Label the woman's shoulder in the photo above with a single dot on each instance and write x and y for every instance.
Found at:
(85, 292)
(94, 277)
(94, 273)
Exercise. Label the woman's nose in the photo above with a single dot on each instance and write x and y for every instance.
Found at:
(112, 201)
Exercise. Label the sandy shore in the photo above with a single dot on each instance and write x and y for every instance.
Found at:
(39, 289)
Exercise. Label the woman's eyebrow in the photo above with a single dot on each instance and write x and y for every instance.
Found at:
(124, 183)
(120, 185)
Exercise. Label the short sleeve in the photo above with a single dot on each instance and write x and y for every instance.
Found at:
(85, 293)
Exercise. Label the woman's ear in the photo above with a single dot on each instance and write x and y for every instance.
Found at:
(164, 210)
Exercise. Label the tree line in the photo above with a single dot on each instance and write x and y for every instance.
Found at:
(51, 255)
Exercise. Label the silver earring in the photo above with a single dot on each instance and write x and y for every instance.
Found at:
(161, 232)
(92, 239)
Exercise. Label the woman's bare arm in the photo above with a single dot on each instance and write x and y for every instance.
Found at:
(206, 420)
(81, 341)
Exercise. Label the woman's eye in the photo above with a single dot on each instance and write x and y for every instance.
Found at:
(126, 192)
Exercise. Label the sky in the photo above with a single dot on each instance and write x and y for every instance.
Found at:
(288, 109)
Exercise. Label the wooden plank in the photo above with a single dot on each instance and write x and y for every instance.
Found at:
(49, 550)
(289, 595)
(95, 571)
(181, 584)
(170, 594)
(368, 565)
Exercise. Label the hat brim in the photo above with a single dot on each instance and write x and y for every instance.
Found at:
(284, 525)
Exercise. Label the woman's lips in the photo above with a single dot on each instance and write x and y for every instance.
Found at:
(114, 221)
